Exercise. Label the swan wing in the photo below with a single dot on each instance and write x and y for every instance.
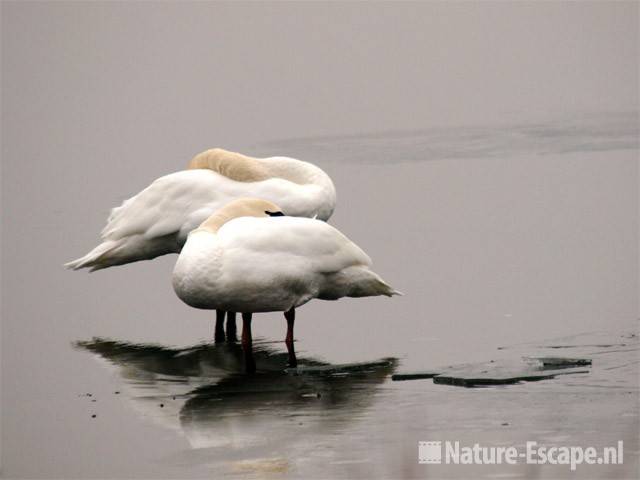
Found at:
(169, 205)
(157, 220)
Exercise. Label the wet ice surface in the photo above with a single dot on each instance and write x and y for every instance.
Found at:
(351, 421)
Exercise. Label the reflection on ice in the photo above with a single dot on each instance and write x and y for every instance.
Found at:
(351, 421)
(203, 392)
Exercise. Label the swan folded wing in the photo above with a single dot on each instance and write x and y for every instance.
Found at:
(163, 207)
(320, 246)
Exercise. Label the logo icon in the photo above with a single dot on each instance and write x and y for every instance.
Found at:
(429, 452)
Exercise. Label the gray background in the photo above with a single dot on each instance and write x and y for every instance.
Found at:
(499, 245)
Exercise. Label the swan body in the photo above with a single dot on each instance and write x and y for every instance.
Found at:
(158, 220)
(246, 261)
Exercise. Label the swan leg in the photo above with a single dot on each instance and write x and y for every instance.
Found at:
(231, 327)
(247, 343)
(290, 315)
(219, 333)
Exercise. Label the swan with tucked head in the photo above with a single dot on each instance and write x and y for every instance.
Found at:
(249, 257)
(157, 220)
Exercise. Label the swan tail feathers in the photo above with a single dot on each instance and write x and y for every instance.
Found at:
(96, 259)
(365, 283)
(388, 290)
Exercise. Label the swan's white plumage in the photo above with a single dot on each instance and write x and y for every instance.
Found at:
(157, 220)
(272, 264)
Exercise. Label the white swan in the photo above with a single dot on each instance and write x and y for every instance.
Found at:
(248, 257)
(157, 220)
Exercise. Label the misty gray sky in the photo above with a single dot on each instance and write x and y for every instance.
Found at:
(134, 74)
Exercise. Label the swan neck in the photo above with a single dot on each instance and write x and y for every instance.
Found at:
(296, 171)
(214, 222)
(322, 192)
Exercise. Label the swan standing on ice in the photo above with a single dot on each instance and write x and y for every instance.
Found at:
(157, 220)
(248, 257)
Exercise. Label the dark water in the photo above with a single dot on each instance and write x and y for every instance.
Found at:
(497, 248)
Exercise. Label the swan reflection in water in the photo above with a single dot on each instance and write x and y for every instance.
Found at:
(202, 391)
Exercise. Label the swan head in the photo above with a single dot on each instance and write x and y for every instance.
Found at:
(242, 207)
